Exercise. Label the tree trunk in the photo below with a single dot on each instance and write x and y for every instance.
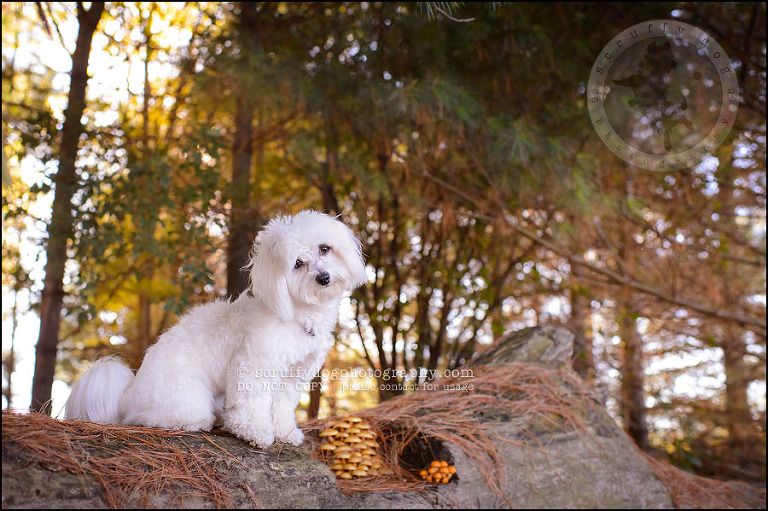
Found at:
(632, 376)
(241, 221)
(738, 418)
(146, 267)
(583, 362)
(60, 227)
(239, 239)
(145, 330)
(632, 369)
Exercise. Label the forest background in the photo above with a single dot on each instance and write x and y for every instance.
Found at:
(455, 139)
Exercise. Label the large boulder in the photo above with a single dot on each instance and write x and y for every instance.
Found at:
(520, 427)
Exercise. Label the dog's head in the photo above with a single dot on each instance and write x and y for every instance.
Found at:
(304, 261)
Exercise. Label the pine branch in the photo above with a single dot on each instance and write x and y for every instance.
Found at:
(624, 280)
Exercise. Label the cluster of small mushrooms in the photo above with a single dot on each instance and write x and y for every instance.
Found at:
(438, 472)
(354, 448)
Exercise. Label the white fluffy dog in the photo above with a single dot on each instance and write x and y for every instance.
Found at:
(245, 362)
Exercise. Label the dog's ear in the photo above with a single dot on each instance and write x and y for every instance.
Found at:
(267, 272)
(352, 254)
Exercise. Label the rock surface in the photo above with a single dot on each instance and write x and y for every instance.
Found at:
(595, 468)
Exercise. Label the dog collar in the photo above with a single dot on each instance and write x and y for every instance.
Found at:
(306, 325)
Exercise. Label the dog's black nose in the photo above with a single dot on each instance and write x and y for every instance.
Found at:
(323, 278)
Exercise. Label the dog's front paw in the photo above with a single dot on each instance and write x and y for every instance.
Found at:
(261, 439)
(295, 437)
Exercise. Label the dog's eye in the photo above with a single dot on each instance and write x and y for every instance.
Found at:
(299, 263)
(324, 249)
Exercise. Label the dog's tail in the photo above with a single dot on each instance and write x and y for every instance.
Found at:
(96, 395)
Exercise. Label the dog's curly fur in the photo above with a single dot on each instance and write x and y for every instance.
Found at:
(245, 362)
